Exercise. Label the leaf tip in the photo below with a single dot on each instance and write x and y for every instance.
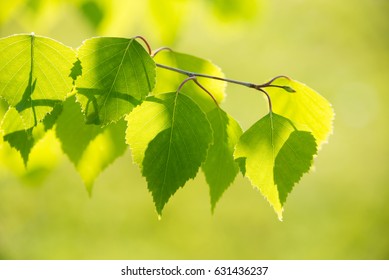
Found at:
(279, 214)
(213, 206)
(89, 188)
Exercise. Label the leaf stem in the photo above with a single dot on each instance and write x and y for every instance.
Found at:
(161, 49)
(268, 99)
(207, 91)
(242, 83)
(146, 43)
(194, 79)
(184, 82)
(194, 75)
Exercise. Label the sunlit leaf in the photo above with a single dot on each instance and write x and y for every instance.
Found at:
(34, 79)
(170, 81)
(117, 74)
(304, 107)
(220, 168)
(169, 137)
(34, 76)
(276, 154)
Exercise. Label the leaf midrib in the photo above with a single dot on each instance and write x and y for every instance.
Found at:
(116, 75)
(169, 149)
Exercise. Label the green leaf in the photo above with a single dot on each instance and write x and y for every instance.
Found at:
(72, 131)
(276, 154)
(169, 137)
(117, 74)
(89, 147)
(101, 152)
(34, 76)
(170, 81)
(293, 160)
(23, 140)
(50, 120)
(220, 168)
(304, 107)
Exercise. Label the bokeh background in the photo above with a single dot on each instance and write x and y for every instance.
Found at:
(338, 211)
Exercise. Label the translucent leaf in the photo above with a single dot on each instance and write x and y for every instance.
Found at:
(220, 168)
(90, 147)
(276, 154)
(117, 74)
(12, 122)
(34, 76)
(169, 137)
(304, 107)
(23, 140)
(169, 81)
(72, 131)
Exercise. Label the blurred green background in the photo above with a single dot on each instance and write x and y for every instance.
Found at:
(338, 211)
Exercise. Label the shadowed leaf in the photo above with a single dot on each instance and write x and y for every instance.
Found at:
(220, 168)
(117, 74)
(89, 147)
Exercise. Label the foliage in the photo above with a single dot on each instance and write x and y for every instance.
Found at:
(112, 91)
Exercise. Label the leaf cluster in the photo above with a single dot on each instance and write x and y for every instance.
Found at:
(112, 93)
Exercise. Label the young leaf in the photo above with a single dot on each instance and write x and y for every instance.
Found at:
(220, 168)
(117, 74)
(304, 107)
(170, 81)
(34, 76)
(276, 155)
(169, 137)
(89, 147)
